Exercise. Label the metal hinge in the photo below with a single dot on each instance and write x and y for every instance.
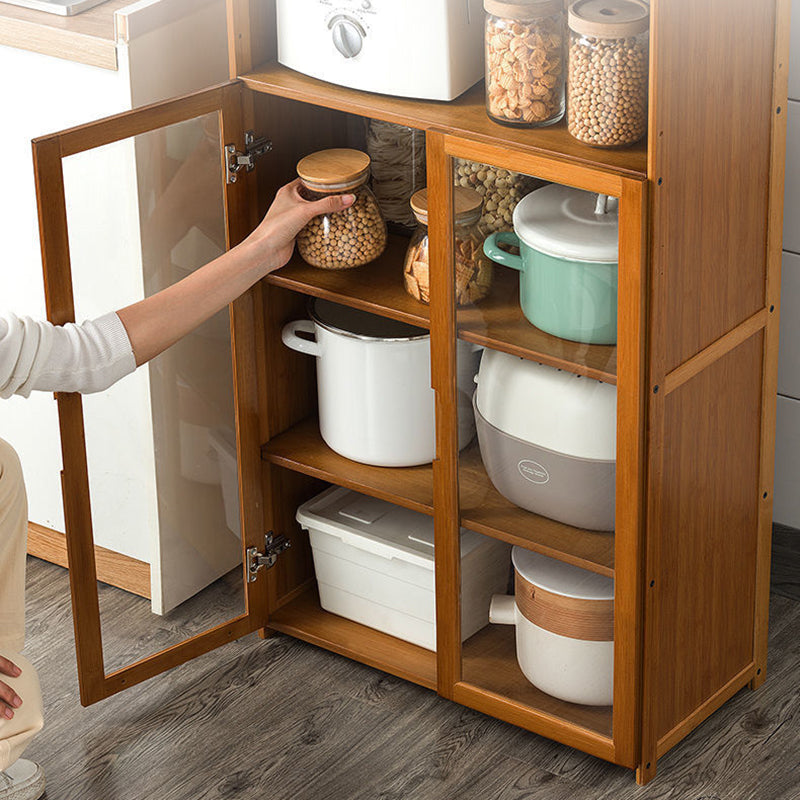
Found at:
(273, 547)
(235, 160)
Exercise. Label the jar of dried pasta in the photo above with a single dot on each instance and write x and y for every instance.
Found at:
(346, 238)
(608, 67)
(473, 268)
(525, 61)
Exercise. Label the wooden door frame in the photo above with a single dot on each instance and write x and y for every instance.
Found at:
(48, 152)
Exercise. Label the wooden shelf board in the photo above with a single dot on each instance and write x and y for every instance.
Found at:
(485, 510)
(498, 322)
(489, 662)
(465, 116)
(305, 619)
(302, 449)
(376, 287)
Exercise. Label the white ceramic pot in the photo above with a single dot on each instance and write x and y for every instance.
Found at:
(567, 648)
(376, 404)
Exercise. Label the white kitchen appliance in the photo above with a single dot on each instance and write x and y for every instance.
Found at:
(65, 8)
(428, 49)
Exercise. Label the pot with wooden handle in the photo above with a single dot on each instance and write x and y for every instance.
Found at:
(564, 619)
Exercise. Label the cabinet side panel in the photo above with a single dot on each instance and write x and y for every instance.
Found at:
(712, 64)
(705, 536)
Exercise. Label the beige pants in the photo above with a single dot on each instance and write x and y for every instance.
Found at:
(16, 733)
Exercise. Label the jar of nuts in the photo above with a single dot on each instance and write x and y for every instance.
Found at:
(525, 61)
(473, 268)
(347, 238)
(608, 64)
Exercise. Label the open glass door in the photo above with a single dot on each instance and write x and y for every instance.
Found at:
(164, 467)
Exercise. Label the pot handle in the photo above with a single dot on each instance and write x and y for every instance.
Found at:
(290, 338)
(502, 610)
(491, 249)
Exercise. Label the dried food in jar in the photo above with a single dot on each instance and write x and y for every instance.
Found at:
(501, 190)
(608, 71)
(473, 270)
(348, 238)
(524, 42)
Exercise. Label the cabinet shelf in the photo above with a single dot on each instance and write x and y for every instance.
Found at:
(305, 619)
(465, 116)
(302, 449)
(376, 287)
(485, 510)
(489, 662)
(498, 322)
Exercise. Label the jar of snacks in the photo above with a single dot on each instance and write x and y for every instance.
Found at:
(347, 238)
(473, 268)
(525, 61)
(608, 65)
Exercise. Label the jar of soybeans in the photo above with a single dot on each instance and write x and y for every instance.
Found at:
(473, 268)
(346, 238)
(525, 61)
(607, 76)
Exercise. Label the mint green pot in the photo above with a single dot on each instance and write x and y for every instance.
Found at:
(574, 300)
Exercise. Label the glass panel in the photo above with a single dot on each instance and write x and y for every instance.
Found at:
(535, 281)
(142, 214)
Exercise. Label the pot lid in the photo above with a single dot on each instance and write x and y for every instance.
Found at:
(523, 9)
(339, 168)
(569, 223)
(467, 204)
(561, 578)
(609, 19)
(359, 324)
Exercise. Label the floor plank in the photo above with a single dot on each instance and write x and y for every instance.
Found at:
(281, 719)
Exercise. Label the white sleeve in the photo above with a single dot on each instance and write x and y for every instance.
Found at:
(62, 358)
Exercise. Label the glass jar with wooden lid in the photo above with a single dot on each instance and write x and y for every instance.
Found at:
(525, 43)
(348, 238)
(473, 268)
(608, 69)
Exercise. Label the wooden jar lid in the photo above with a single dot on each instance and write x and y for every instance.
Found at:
(335, 169)
(523, 9)
(609, 19)
(467, 202)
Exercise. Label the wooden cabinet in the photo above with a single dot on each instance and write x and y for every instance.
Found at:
(695, 369)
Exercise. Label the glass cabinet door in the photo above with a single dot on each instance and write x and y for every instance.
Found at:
(151, 466)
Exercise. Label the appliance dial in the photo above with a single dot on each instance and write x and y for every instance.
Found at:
(348, 35)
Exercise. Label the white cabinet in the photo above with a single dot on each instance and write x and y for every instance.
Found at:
(787, 463)
(789, 353)
(163, 48)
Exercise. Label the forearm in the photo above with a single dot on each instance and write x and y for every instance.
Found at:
(158, 321)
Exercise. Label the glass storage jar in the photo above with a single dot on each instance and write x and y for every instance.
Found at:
(607, 76)
(473, 268)
(348, 238)
(524, 42)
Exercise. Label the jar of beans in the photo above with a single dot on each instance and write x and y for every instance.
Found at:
(608, 65)
(525, 61)
(473, 268)
(346, 238)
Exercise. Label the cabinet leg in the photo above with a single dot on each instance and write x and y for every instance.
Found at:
(759, 677)
(266, 633)
(645, 772)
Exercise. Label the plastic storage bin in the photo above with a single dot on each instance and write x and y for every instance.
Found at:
(374, 565)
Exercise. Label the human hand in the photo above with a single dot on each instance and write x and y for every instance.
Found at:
(286, 217)
(9, 699)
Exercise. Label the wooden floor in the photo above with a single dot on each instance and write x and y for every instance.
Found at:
(280, 719)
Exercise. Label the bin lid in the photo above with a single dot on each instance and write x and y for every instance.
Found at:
(569, 223)
(561, 578)
(376, 526)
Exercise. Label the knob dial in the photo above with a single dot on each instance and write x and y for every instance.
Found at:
(348, 35)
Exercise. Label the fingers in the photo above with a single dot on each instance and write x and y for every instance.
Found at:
(330, 205)
(9, 668)
(9, 700)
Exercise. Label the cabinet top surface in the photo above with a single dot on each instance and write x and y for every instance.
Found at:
(97, 22)
(465, 116)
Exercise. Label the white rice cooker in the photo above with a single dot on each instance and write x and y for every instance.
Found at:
(548, 439)
(428, 49)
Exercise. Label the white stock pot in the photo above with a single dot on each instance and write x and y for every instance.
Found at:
(376, 404)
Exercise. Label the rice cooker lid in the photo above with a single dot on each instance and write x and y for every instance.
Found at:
(561, 578)
(569, 223)
(357, 324)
